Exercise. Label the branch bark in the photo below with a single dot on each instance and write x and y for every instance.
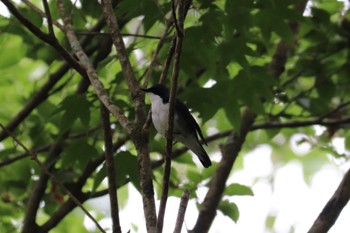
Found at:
(172, 98)
(111, 174)
(139, 136)
(182, 211)
(333, 208)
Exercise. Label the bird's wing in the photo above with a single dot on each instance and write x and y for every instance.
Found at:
(192, 124)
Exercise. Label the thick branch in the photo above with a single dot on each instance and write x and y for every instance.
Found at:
(139, 137)
(333, 208)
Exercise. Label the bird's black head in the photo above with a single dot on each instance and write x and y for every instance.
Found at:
(159, 90)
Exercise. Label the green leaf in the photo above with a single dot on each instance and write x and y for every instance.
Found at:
(74, 107)
(78, 153)
(229, 209)
(12, 50)
(347, 140)
(238, 190)
(126, 166)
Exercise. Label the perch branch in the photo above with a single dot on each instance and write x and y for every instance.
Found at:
(172, 98)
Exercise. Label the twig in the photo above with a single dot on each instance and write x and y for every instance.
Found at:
(168, 60)
(333, 208)
(155, 54)
(182, 211)
(111, 174)
(169, 133)
(54, 178)
(49, 18)
(294, 124)
(123, 34)
(23, 155)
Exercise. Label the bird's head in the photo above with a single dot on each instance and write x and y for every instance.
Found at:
(158, 90)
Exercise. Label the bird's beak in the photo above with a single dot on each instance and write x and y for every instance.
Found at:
(144, 89)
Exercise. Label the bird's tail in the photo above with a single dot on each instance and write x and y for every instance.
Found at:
(198, 149)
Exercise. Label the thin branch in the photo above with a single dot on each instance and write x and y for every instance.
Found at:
(111, 174)
(91, 72)
(294, 124)
(169, 133)
(49, 18)
(333, 208)
(123, 34)
(182, 211)
(8, 161)
(168, 60)
(156, 52)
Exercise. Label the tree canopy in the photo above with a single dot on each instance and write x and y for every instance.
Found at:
(76, 126)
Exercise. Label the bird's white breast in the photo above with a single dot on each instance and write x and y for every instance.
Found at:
(160, 112)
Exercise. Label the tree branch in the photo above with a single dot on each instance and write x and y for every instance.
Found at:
(182, 211)
(156, 52)
(128, 72)
(111, 174)
(333, 208)
(172, 98)
(49, 18)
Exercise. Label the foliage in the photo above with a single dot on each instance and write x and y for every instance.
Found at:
(226, 67)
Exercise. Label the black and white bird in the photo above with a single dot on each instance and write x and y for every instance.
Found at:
(186, 129)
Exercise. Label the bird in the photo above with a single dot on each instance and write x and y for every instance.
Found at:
(185, 130)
